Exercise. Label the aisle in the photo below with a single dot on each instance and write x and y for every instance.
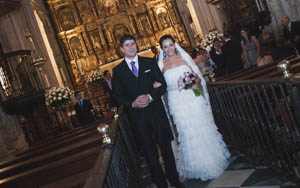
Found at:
(242, 172)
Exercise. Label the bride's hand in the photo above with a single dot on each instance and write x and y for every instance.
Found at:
(156, 84)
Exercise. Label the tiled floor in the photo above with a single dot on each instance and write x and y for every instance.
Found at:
(243, 173)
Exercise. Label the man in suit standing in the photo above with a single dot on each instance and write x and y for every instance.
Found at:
(83, 109)
(232, 54)
(218, 57)
(291, 31)
(108, 88)
(132, 83)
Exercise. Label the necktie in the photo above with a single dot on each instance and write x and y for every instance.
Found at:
(81, 103)
(133, 68)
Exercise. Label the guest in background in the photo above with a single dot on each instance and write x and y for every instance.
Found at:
(108, 88)
(155, 52)
(83, 109)
(217, 56)
(267, 40)
(251, 47)
(196, 56)
(232, 54)
(264, 58)
(291, 31)
(203, 63)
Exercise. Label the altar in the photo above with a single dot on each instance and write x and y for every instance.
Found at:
(90, 31)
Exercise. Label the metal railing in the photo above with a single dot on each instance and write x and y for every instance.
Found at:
(118, 163)
(260, 118)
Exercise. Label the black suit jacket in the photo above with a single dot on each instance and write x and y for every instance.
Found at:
(127, 87)
(84, 115)
(232, 51)
(219, 61)
(295, 30)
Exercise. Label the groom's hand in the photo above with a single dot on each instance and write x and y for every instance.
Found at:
(141, 101)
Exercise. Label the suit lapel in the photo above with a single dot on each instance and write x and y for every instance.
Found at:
(126, 69)
(141, 67)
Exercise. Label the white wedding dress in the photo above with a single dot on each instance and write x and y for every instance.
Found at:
(201, 152)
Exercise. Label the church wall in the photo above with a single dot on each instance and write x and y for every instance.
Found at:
(21, 31)
(279, 8)
(90, 30)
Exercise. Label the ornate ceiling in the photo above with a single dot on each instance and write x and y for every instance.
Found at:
(7, 6)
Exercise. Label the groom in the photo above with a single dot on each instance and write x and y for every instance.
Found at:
(133, 87)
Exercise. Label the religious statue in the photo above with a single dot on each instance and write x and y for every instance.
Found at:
(84, 11)
(119, 30)
(76, 72)
(66, 19)
(95, 39)
(76, 47)
(111, 7)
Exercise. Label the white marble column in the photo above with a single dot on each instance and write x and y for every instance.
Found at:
(205, 16)
(185, 14)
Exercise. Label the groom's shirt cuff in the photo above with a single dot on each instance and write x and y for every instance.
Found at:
(150, 98)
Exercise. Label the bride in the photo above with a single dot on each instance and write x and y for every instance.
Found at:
(201, 152)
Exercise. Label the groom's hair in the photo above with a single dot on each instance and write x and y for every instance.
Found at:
(165, 37)
(125, 38)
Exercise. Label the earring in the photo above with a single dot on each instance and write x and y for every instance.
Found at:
(165, 56)
(177, 51)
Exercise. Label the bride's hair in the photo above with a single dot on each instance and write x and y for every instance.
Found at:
(165, 37)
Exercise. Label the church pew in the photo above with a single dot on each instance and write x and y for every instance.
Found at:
(295, 68)
(238, 74)
(43, 159)
(47, 148)
(63, 136)
(257, 73)
(60, 137)
(54, 171)
(58, 141)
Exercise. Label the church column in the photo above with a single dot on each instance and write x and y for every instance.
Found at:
(205, 16)
(51, 47)
(187, 20)
(194, 16)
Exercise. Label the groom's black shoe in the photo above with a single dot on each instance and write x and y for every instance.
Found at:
(179, 185)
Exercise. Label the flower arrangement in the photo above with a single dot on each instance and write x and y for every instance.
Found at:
(95, 76)
(187, 81)
(58, 96)
(208, 39)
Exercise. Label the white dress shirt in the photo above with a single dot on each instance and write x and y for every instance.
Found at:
(136, 60)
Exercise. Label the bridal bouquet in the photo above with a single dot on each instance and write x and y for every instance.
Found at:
(58, 96)
(208, 39)
(95, 76)
(187, 81)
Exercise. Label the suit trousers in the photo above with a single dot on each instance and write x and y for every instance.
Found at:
(147, 142)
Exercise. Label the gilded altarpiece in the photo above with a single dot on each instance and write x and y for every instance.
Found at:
(90, 30)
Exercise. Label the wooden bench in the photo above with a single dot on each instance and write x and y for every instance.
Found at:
(67, 156)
